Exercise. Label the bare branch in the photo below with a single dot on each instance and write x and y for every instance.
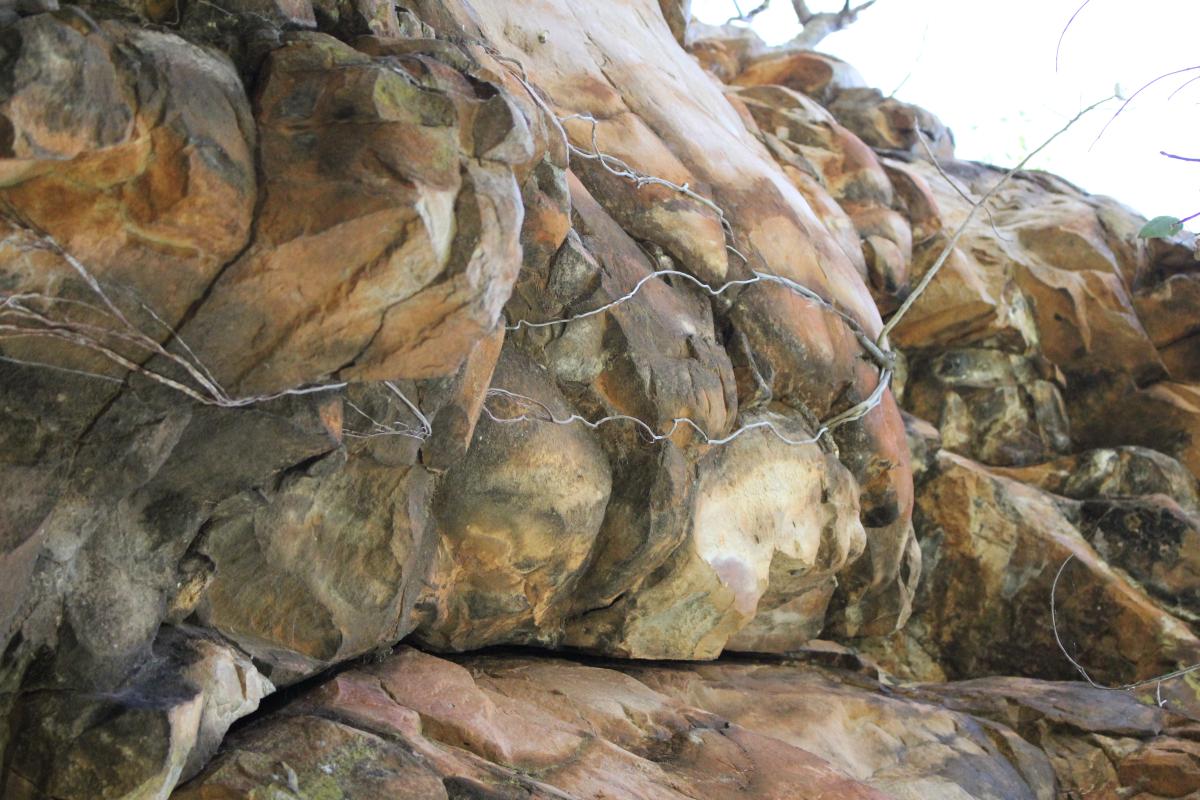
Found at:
(1182, 86)
(878, 349)
(378, 428)
(21, 317)
(111, 335)
(547, 415)
(1141, 89)
(932, 272)
(749, 15)
(802, 12)
(916, 62)
(818, 26)
(954, 184)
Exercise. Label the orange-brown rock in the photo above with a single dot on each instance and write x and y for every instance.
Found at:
(1152, 539)
(1071, 299)
(990, 405)
(516, 725)
(135, 151)
(1116, 472)
(1164, 416)
(516, 519)
(723, 50)
(328, 566)
(1165, 767)
(812, 147)
(426, 250)
(330, 324)
(1168, 311)
(817, 75)
(781, 333)
(418, 726)
(1100, 743)
(889, 124)
(905, 749)
(1011, 540)
(752, 575)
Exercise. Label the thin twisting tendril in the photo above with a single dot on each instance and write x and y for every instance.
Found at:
(27, 315)
(549, 416)
(932, 272)
(878, 348)
(1158, 679)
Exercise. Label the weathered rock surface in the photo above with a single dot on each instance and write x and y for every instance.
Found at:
(425, 249)
(1116, 472)
(1099, 743)
(993, 548)
(424, 727)
(330, 325)
(160, 726)
(536, 727)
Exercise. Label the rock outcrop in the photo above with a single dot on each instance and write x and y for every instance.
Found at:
(341, 341)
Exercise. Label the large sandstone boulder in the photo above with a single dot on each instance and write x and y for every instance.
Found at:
(327, 325)
(517, 519)
(521, 726)
(177, 498)
(421, 727)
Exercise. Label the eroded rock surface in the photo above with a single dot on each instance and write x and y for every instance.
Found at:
(330, 325)
(538, 727)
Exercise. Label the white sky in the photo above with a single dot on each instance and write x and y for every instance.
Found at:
(986, 68)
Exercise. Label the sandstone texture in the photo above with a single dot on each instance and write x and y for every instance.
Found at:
(487, 400)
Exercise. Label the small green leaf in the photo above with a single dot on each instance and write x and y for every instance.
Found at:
(1161, 228)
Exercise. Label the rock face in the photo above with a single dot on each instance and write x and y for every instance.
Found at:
(330, 326)
(516, 726)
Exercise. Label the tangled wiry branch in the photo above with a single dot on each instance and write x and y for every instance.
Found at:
(959, 190)
(611, 164)
(878, 348)
(26, 315)
(547, 415)
(110, 334)
(422, 431)
(35, 315)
